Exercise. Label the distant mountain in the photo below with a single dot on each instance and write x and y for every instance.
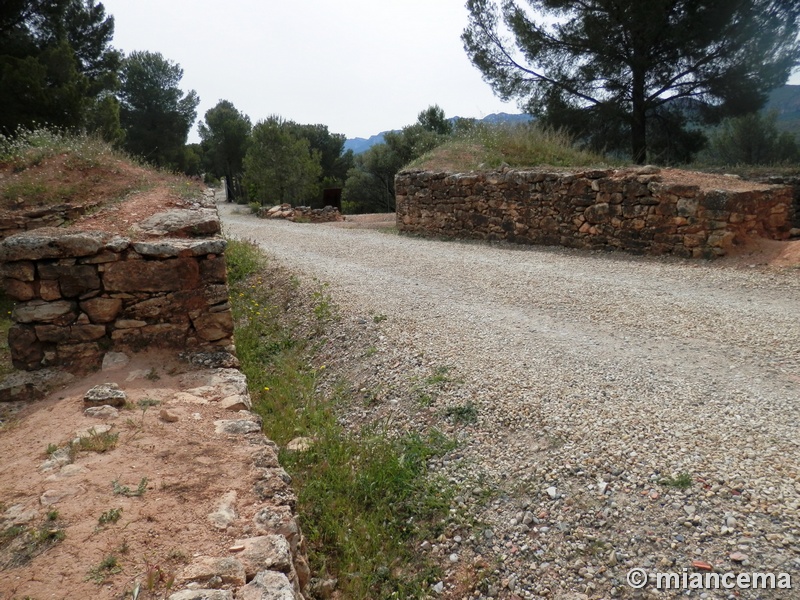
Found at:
(359, 145)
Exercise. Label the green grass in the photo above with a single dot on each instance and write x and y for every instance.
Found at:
(98, 442)
(464, 414)
(124, 490)
(487, 146)
(365, 499)
(30, 147)
(682, 481)
(112, 515)
(107, 567)
(18, 544)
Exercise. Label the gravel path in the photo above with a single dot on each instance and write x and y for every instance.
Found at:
(597, 380)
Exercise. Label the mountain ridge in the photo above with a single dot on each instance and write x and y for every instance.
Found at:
(359, 145)
(785, 100)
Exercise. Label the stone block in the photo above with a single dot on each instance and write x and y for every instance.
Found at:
(70, 334)
(23, 270)
(182, 222)
(27, 351)
(268, 585)
(51, 243)
(204, 569)
(214, 326)
(101, 310)
(38, 311)
(180, 248)
(265, 552)
(79, 357)
(106, 394)
(73, 280)
(21, 291)
(214, 270)
(152, 275)
(49, 290)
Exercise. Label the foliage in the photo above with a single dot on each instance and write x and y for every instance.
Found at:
(370, 183)
(635, 70)
(335, 162)
(433, 119)
(71, 166)
(366, 500)
(225, 134)
(682, 481)
(279, 166)
(751, 140)
(112, 515)
(98, 442)
(155, 114)
(488, 146)
(108, 566)
(56, 63)
(124, 490)
(243, 260)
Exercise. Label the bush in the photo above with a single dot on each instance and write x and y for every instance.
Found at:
(753, 139)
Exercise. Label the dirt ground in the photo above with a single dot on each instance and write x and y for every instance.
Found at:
(188, 468)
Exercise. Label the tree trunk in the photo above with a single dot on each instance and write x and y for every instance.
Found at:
(638, 119)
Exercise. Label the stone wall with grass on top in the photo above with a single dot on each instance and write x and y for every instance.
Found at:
(631, 209)
(82, 293)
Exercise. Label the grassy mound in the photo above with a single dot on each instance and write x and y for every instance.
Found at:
(486, 146)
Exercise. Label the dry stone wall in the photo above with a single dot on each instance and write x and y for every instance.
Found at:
(82, 293)
(636, 209)
(17, 221)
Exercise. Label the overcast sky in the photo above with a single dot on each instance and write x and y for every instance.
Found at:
(358, 66)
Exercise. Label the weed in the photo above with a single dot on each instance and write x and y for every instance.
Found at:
(112, 515)
(178, 555)
(682, 481)
(155, 575)
(21, 544)
(107, 567)
(425, 399)
(439, 376)
(152, 375)
(379, 318)
(323, 307)
(366, 498)
(464, 414)
(485, 146)
(124, 490)
(243, 259)
(98, 442)
(51, 449)
(371, 351)
(144, 404)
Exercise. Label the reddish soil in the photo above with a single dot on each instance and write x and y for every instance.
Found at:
(188, 469)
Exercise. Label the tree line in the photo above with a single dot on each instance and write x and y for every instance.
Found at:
(653, 80)
(58, 69)
(280, 161)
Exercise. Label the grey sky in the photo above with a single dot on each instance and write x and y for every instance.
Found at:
(357, 66)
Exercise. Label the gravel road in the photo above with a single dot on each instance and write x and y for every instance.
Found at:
(597, 381)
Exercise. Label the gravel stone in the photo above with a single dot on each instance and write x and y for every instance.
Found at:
(557, 369)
